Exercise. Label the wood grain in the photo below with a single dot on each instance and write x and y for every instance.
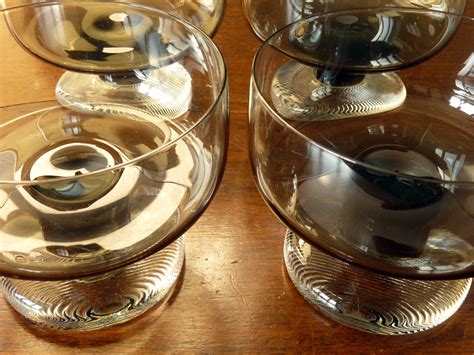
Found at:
(234, 295)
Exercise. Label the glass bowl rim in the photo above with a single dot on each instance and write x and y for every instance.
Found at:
(192, 29)
(277, 117)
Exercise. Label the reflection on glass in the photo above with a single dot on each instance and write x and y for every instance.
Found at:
(464, 88)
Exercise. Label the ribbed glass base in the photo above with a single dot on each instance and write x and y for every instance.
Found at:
(163, 93)
(99, 301)
(367, 300)
(298, 94)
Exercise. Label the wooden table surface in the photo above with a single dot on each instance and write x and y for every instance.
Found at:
(235, 294)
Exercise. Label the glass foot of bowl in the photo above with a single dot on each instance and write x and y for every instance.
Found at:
(100, 301)
(163, 93)
(298, 94)
(366, 300)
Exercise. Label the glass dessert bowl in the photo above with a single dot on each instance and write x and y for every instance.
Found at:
(268, 16)
(378, 199)
(100, 181)
(204, 14)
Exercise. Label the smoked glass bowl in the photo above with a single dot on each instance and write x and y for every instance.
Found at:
(204, 14)
(378, 199)
(99, 182)
(268, 16)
